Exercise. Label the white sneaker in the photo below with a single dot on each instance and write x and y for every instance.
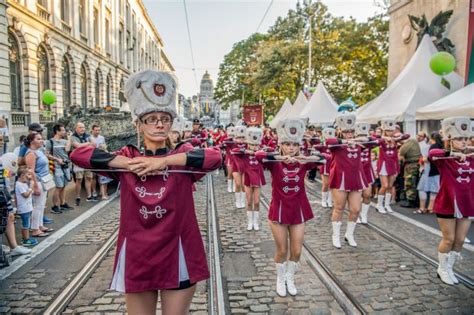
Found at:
(20, 250)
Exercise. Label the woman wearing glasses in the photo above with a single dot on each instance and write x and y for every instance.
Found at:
(159, 247)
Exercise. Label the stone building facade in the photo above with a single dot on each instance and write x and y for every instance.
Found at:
(403, 40)
(82, 49)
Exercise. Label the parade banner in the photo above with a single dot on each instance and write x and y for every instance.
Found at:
(253, 114)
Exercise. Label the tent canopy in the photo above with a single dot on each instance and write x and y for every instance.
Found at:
(459, 103)
(321, 108)
(284, 109)
(298, 106)
(415, 87)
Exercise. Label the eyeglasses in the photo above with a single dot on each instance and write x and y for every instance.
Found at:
(153, 120)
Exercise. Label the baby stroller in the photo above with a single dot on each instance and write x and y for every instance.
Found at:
(5, 207)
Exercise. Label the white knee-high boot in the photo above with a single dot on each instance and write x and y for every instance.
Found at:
(281, 279)
(291, 268)
(242, 200)
(229, 185)
(256, 218)
(443, 268)
(324, 198)
(349, 236)
(364, 211)
(388, 199)
(336, 233)
(453, 256)
(380, 208)
(249, 220)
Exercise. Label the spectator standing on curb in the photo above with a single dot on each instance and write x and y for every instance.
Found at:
(81, 139)
(4, 135)
(24, 204)
(410, 154)
(99, 141)
(57, 149)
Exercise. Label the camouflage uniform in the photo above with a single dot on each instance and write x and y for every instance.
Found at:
(411, 174)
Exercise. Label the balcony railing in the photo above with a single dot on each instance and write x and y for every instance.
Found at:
(20, 119)
(66, 27)
(47, 117)
(42, 12)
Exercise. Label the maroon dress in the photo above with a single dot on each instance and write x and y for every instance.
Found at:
(387, 163)
(456, 191)
(346, 172)
(159, 243)
(228, 145)
(252, 168)
(366, 160)
(324, 169)
(237, 166)
(289, 204)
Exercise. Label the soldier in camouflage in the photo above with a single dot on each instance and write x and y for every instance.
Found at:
(410, 154)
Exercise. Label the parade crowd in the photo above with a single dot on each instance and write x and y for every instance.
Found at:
(159, 247)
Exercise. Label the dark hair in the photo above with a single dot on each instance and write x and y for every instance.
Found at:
(95, 126)
(22, 138)
(30, 138)
(57, 128)
(436, 137)
(22, 170)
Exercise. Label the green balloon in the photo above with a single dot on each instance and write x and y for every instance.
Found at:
(48, 97)
(442, 63)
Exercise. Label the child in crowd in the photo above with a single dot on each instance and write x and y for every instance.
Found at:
(24, 204)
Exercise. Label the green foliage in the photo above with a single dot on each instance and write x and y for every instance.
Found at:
(349, 57)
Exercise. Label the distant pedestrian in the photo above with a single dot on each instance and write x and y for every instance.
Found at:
(24, 204)
(4, 136)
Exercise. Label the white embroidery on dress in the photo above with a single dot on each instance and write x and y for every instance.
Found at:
(390, 152)
(142, 192)
(287, 171)
(158, 212)
(286, 179)
(352, 155)
(164, 172)
(460, 179)
(286, 189)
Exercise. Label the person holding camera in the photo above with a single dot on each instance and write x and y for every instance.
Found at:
(57, 149)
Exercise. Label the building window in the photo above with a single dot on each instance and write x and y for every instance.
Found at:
(15, 74)
(128, 50)
(96, 26)
(84, 86)
(108, 90)
(64, 10)
(107, 37)
(43, 73)
(121, 43)
(66, 81)
(82, 17)
(97, 88)
(121, 96)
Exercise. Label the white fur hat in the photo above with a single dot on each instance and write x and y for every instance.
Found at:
(329, 132)
(291, 130)
(240, 131)
(151, 91)
(362, 129)
(472, 128)
(456, 127)
(346, 121)
(178, 124)
(230, 131)
(254, 135)
(187, 126)
(388, 124)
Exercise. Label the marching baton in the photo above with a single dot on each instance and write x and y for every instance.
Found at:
(434, 158)
(122, 170)
(354, 143)
(297, 161)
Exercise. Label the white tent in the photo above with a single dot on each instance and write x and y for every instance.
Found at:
(321, 108)
(284, 109)
(459, 103)
(415, 87)
(298, 106)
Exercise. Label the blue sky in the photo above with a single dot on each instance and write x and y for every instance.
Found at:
(216, 25)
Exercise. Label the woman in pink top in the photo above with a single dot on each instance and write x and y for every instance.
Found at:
(159, 245)
(454, 204)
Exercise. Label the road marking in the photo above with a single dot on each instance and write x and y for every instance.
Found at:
(49, 241)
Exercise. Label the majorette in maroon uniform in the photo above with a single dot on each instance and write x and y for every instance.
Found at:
(346, 178)
(454, 204)
(387, 164)
(237, 167)
(159, 244)
(289, 205)
(326, 196)
(228, 144)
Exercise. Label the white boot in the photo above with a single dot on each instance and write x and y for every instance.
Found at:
(281, 273)
(329, 199)
(453, 256)
(242, 200)
(249, 220)
(237, 200)
(379, 205)
(442, 268)
(256, 218)
(364, 211)
(291, 268)
(349, 236)
(336, 233)
(324, 197)
(233, 185)
(388, 199)
(229, 185)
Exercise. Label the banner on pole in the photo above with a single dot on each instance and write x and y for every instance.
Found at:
(253, 114)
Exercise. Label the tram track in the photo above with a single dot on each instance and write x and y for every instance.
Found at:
(463, 278)
(340, 292)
